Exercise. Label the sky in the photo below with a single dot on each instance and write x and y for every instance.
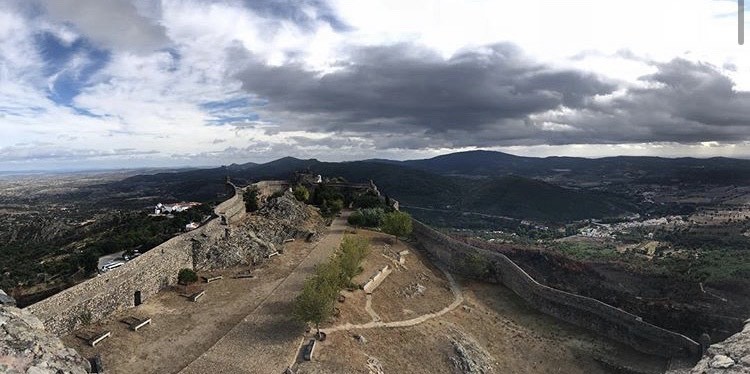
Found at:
(148, 83)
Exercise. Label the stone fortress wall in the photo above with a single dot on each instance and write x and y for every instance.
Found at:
(136, 280)
(582, 311)
(268, 188)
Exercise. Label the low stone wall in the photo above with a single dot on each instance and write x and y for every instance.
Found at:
(376, 279)
(578, 310)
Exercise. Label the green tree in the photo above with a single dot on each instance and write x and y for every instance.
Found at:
(397, 224)
(351, 253)
(301, 193)
(315, 303)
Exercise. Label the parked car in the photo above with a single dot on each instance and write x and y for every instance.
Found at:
(111, 265)
(131, 256)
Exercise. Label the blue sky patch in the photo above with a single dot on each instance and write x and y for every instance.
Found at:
(57, 57)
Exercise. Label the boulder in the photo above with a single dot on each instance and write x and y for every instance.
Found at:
(721, 362)
(26, 348)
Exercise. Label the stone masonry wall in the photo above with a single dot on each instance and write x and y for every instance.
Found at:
(232, 210)
(578, 310)
(99, 297)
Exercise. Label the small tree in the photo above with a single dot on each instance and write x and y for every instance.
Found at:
(315, 303)
(353, 250)
(187, 276)
(397, 224)
(301, 193)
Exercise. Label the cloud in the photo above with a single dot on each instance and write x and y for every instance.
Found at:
(304, 13)
(405, 89)
(116, 24)
(45, 151)
(682, 102)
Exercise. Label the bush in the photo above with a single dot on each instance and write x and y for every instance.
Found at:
(187, 276)
(373, 217)
(301, 193)
(475, 265)
(368, 201)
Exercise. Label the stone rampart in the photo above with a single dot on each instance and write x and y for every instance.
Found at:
(213, 245)
(232, 210)
(133, 282)
(582, 311)
(268, 188)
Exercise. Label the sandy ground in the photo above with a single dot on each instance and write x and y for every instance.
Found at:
(516, 338)
(183, 331)
(245, 325)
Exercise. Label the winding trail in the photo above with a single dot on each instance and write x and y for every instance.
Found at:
(458, 298)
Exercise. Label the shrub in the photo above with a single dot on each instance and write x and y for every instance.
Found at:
(373, 217)
(187, 276)
(368, 201)
(85, 317)
(301, 193)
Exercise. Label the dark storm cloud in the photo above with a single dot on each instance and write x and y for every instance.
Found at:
(683, 102)
(408, 97)
(406, 89)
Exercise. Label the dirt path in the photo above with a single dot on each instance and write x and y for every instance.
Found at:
(257, 343)
(458, 298)
(368, 308)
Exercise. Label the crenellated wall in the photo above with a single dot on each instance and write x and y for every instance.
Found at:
(579, 310)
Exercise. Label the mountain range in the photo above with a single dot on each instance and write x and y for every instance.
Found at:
(488, 182)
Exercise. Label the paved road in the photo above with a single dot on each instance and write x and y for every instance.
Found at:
(265, 340)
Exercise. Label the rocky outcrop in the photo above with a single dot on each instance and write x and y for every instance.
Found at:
(732, 356)
(258, 235)
(26, 348)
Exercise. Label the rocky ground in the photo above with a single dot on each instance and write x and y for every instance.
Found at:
(259, 235)
(731, 356)
(26, 348)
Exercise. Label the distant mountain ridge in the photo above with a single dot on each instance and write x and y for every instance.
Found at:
(478, 181)
(656, 169)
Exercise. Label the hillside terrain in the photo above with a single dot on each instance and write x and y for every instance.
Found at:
(596, 227)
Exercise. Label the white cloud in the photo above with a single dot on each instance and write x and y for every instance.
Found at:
(168, 58)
